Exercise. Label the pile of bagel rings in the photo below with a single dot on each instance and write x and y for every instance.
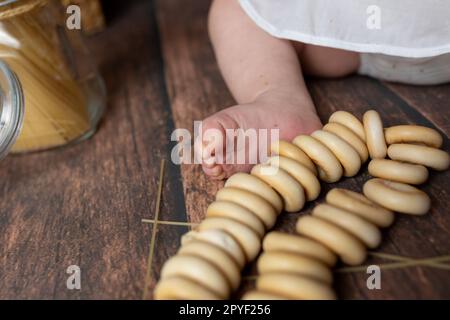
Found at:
(209, 263)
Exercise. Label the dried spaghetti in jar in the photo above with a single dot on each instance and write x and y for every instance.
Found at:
(51, 93)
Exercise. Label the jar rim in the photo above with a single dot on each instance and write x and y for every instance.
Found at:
(12, 108)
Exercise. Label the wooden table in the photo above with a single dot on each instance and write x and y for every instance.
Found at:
(85, 205)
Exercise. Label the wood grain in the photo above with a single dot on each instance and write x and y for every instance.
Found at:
(427, 101)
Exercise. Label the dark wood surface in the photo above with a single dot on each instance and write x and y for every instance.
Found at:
(84, 204)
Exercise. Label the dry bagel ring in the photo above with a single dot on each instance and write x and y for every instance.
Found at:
(216, 256)
(285, 262)
(350, 137)
(260, 295)
(291, 151)
(290, 190)
(294, 287)
(375, 140)
(221, 239)
(330, 169)
(353, 224)
(429, 157)
(278, 241)
(246, 237)
(303, 175)
(256, 204)
(350, 121)
(178, 288)
(347, 156)
(198, 270)
(360, 205)
(227, 209)
(250, 183)
(397, 196)
(398, 171)
(348, 247)
(413, 134)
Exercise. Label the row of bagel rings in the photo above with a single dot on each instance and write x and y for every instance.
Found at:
(211, 257)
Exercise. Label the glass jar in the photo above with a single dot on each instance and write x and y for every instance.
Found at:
(51, 93)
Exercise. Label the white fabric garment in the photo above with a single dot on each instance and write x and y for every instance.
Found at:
(407, 28)
(418, 71)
